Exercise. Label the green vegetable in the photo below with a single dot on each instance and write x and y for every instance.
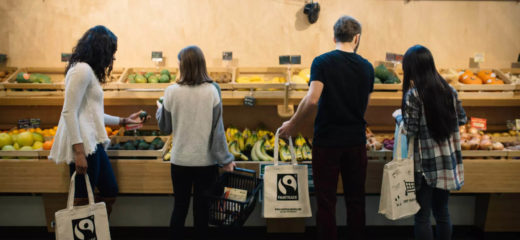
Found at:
(153, 79)
(140, 79)
(382, 73)
(143, 115)
(377, 80)
(164, 78)
(165, 72)
(148, 74)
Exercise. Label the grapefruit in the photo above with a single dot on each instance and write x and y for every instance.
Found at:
(5, 139)
(47, 145)
(25, 139)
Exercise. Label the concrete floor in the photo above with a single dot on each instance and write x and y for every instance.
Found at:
(253, 233)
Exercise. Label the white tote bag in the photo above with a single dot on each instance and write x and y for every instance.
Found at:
(398, 187)
(89, 222)
(286, 188)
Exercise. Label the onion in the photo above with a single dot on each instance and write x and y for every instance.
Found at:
(473, 130)
(498, 146)
(486, 145)
(464, 136)
(474, 143)
(486, 137)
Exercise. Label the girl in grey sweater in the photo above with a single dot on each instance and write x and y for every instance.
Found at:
(192, 112)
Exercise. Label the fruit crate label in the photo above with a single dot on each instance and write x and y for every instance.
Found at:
(296, 59)
(227, 56)
(29, 123)
(394, 57)
(284, 59)
(479, 123)
(157, 56)
(249, 101)
(65, 57)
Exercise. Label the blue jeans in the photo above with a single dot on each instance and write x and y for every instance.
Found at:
(100, 174)
(432, 200)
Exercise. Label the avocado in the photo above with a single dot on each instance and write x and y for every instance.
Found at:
(143, 115)
(115, 147)
(45, 79)
(35, 78)
(140, 79)
(143, 146)
(164, 78)
(153, 79)
(161, 99)
(165, 72)
(382, 73)
(148, 74)
(152, 147)
(377, 80)
(129, 146)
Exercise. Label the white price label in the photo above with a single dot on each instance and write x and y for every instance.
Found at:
(478, 57)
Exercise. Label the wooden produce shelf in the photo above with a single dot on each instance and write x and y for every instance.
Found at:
(153, 177)
(55, 88)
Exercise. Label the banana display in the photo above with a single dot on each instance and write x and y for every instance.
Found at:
(258, 145)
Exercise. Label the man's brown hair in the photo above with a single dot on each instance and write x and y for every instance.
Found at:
(346, 28)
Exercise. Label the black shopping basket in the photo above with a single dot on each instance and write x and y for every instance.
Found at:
(230, 213)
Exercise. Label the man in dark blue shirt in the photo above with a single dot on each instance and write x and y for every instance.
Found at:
(340, 85)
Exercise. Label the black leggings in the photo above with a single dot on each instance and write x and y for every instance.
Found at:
(183, 179)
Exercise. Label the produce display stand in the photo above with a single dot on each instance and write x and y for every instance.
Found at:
(483, 176)
(112, 82)
(392, 67)
(260, 89)
(124, 84)
(499, 90)
(139, 154)
(55, 88)
(6, 73)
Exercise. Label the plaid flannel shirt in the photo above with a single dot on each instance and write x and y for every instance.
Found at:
(439, 163)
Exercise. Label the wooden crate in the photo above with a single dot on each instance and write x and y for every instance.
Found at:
(139, 154)
(5, 73)
(396, 71)
(297, 86)
(124, 84)
(265, 89)
(223, 76)
(504, 90)
(450, 75)
(34, 154)
(57, 86)
(112, 82)
(514, 76)
(479, 154)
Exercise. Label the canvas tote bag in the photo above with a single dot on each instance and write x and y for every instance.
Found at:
(398, 187)
(286, 188)
(89, 222)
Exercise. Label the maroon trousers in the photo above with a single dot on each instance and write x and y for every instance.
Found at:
(327, 163)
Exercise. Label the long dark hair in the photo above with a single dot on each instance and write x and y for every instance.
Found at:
(96, 48)
(434, 92)
(192, 67)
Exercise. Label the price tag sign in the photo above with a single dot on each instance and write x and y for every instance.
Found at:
(478, 57)
(296, 59)
(285, 59)
(517, 124)
(3, 58)
(134, 126)
(394, 57)
(65, 57)
(227, 56)
(479, 123)
(157, 56)
(29, 123)
(249, 101)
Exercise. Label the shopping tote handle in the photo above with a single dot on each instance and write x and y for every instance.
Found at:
(72, 189)
(277, 146)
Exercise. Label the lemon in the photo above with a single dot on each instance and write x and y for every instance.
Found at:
(37, 145)
(16, 146)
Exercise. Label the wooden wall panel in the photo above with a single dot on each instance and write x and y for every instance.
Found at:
(35, 32)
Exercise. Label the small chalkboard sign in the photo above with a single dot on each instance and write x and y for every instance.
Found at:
(249, 101)
(227, 56)
(296, 59)
(157, 56)
(284, 59)
(29, 123)
(3, 58)
(65, 57)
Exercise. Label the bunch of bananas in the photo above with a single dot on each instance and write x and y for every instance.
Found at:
(259, 146)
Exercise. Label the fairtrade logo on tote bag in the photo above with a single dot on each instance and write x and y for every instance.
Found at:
(84, 228)
(287, 187)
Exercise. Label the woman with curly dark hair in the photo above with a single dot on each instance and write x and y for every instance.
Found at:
(81, 137)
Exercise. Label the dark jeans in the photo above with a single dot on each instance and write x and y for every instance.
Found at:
(183, 179)
(436, 200)
(327, 163)
(100, 174)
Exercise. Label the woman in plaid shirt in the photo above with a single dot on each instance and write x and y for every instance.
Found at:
(432, 114)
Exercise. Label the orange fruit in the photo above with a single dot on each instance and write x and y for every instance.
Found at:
(109, 131)
(47, 145)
